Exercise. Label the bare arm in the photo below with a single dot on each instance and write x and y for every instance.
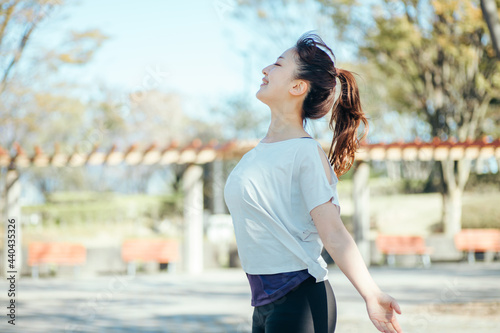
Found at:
(343, 250)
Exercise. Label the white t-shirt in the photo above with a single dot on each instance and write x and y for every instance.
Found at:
(270, 194)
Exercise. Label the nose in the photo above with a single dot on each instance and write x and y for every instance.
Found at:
(265, 70)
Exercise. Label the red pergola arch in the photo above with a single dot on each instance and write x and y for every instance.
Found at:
(197, 153)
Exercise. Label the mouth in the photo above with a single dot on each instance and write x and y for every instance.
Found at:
(264, 82)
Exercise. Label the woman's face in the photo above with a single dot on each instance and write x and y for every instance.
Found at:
(278, 78)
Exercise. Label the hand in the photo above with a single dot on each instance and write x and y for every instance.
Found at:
(381, 312)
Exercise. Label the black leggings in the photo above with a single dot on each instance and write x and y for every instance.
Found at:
(309, 308)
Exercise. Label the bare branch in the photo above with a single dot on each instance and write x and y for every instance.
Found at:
(490, 13)
(17, 56)
(7, 17)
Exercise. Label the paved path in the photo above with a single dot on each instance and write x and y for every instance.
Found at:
(448, 298)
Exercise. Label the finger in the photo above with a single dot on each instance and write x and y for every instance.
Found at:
(396, 325)
(395, 306)
(391, 328)
(384, 327)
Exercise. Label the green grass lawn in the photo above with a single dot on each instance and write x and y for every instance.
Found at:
(481, 210)
(99, 219)
(421, 213)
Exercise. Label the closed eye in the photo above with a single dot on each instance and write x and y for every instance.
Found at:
(276, 64)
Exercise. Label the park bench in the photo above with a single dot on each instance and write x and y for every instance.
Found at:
(68, 254)
(477, 240)
(147, 250)
(392, 245)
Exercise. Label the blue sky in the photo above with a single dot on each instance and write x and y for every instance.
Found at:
(194, 45)
(183, 41)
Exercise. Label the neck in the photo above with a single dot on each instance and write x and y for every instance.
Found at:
(286, 123)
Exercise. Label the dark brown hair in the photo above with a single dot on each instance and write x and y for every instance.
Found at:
(316, 67)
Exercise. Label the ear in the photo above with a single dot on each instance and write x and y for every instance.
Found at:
(299, 87)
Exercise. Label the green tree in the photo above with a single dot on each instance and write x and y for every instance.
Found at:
(442, 58)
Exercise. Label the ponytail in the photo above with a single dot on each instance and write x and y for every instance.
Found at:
(317, 67)
(347, 116)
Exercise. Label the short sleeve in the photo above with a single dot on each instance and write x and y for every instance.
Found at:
(314, 185)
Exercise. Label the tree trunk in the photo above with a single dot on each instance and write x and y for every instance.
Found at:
(361, 216)
(490, 13)
(452, 211)
(455, 176)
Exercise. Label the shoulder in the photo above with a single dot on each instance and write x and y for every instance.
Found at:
(310, 148)
(307, 145)
(312, 153)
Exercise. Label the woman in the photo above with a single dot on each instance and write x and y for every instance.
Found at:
(283, 200)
